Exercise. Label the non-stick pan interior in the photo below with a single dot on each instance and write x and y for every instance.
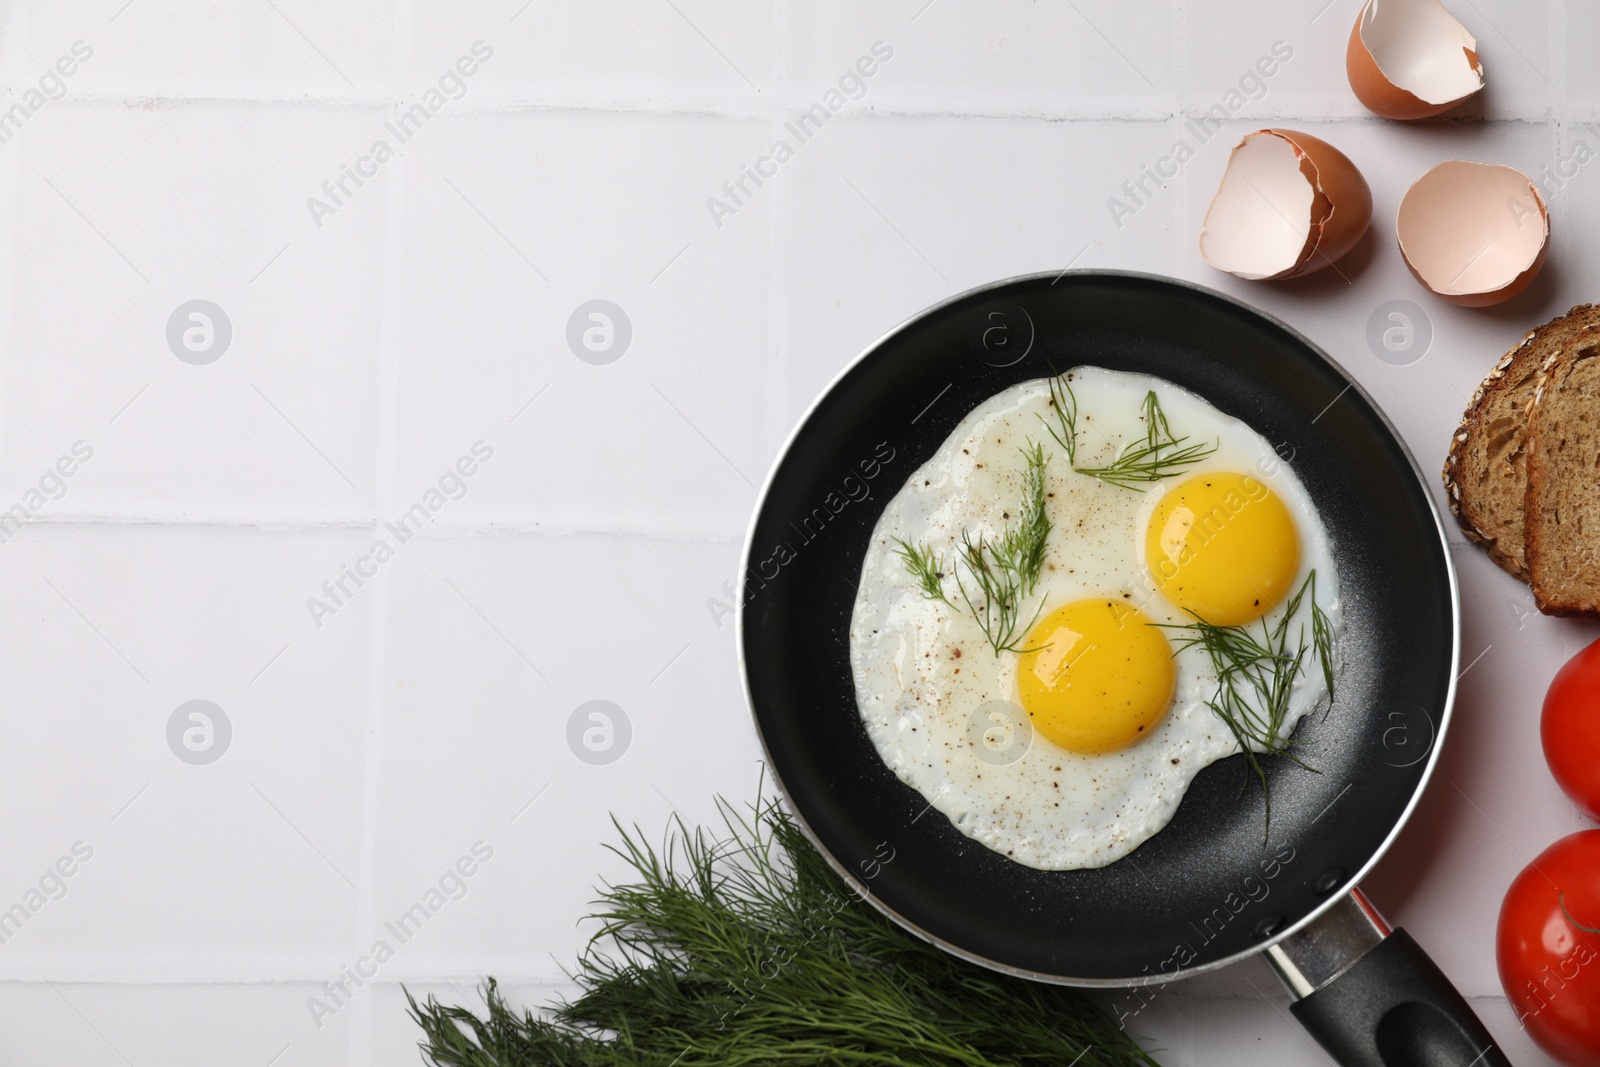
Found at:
(1207, 887)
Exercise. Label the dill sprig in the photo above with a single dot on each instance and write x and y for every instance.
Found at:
(1065, 407)
(1022, 546)
(1160, 456)
(1002, 571)
(739, 945)
(926, 566)
(1256, 675)
(1001, 589)
(1322, 637)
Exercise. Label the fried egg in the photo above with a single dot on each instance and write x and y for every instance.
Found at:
(1073, 741)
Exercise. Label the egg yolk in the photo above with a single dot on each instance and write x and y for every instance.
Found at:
(1222, 546)
(1097, 676)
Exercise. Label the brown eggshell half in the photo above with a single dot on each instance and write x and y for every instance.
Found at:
(1380, 94)
(1343, 198)
(1474, 234)
(1246, 231)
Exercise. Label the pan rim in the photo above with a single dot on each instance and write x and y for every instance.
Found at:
(862, 888)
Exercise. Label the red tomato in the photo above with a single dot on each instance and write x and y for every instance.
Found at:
(1570, 729)
(1548, 948)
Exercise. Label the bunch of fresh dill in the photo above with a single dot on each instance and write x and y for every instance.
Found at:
(743, 947)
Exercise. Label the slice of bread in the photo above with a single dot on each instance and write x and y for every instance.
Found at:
(1485, 475)
(1562, 503)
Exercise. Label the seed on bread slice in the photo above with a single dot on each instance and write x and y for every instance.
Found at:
(1485, 475)
(1562, 504)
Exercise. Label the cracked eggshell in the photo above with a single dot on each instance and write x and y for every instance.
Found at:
(1473, 233)
(1410, 59)
(1289, 204)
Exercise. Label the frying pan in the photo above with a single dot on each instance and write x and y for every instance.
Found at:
(1207, 890)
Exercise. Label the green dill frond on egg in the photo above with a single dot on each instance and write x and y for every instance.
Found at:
(1322, 637)
(1006, 569)
(1256, 674)
(1003, 570)
(1024, 544)
(1160, 456)
(926, 566)
(1064, 404)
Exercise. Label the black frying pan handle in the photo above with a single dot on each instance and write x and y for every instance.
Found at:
(1395, 1008)
(1373, 998)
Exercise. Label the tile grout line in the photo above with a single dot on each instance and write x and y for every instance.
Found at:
(13, 42)
(653, 107)
(1180, 55)
(385, 464)
(1557, 24)
(1178, 203)
(561, 526)
(777, 385)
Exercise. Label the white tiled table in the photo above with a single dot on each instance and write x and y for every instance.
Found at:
(376, 339)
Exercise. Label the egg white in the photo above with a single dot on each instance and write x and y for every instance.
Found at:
(927, 680)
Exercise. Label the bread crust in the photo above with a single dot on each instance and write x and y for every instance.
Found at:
(1506, 373)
